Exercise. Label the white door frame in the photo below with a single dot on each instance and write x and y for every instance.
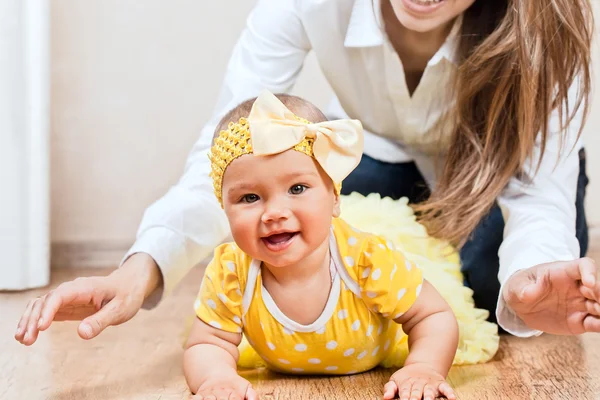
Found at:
(24, 144)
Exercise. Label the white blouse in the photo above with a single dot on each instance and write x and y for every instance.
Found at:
(184, 226)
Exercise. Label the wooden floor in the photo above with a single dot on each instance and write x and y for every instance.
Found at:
(142, 360)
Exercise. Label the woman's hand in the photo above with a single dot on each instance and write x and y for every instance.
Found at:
(98, 301)
(416, 382)
(560, 298)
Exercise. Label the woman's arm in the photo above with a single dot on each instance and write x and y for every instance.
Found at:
(540, 214)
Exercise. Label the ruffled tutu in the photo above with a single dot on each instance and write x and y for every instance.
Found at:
(440, 263)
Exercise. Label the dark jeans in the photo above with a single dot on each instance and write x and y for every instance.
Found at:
(479, 256)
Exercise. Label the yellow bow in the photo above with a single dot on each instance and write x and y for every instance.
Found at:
(337, 147)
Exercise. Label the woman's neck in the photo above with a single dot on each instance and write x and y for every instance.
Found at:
(415, 49)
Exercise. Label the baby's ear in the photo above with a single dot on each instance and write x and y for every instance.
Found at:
(336, 205)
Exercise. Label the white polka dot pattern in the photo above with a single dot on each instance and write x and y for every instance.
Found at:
(376, 274)
(314, 361)
(300, 347)
(222, 297)
(349, 352)
(401, 293)
(349, 261)
(375, 350)
(352, 241)
(356, 325)
(230, 266)
(331, 345)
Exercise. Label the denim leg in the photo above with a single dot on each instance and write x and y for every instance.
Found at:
(479, 256)
(387, 179)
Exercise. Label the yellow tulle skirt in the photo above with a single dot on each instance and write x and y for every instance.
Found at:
(478, 339)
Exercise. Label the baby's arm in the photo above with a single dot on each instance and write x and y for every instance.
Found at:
(432, 339)
(209, 363)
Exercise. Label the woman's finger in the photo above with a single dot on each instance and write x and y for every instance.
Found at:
(110, 314)
(74, 293)
(32, 325)
(592, 307)
(24, 321)
(588, 293)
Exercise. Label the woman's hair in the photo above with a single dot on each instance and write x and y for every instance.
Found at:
(518, 60)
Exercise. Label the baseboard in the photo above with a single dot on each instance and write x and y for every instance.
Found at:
(87, 254)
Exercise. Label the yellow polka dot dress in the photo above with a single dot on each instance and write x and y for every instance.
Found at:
(372, 284)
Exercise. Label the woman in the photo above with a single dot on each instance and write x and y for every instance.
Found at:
(481, 102)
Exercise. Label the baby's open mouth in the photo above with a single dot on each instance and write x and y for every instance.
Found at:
(279, 241)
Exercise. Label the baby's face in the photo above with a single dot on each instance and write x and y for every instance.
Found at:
(279, 207)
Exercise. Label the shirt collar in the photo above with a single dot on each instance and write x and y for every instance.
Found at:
(365, 29)
(449, 49)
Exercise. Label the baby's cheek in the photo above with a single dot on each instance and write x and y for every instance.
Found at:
(244, 233)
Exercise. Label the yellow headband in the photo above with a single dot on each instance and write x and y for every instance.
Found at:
(271, 128)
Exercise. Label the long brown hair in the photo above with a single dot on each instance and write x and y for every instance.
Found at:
(519, 59)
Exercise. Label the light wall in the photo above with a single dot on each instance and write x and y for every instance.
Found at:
(132, 84)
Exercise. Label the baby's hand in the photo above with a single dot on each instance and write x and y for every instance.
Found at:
(225, 386)
(416, 382)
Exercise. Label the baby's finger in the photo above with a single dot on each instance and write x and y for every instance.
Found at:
(389, 390)
(24, 321)
(447, 391)
(32, 325)
(430, 392)
(404, 389)
(251, 393)
(416, 393)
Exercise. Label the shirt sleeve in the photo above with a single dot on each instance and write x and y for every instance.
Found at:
(539, 212)
(219, 302)
(389, 283)
(184, 226)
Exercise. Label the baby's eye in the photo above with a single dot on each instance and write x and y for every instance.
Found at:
(298, 189)
(250, 198)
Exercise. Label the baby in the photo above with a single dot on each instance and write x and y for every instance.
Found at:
(311, 294)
